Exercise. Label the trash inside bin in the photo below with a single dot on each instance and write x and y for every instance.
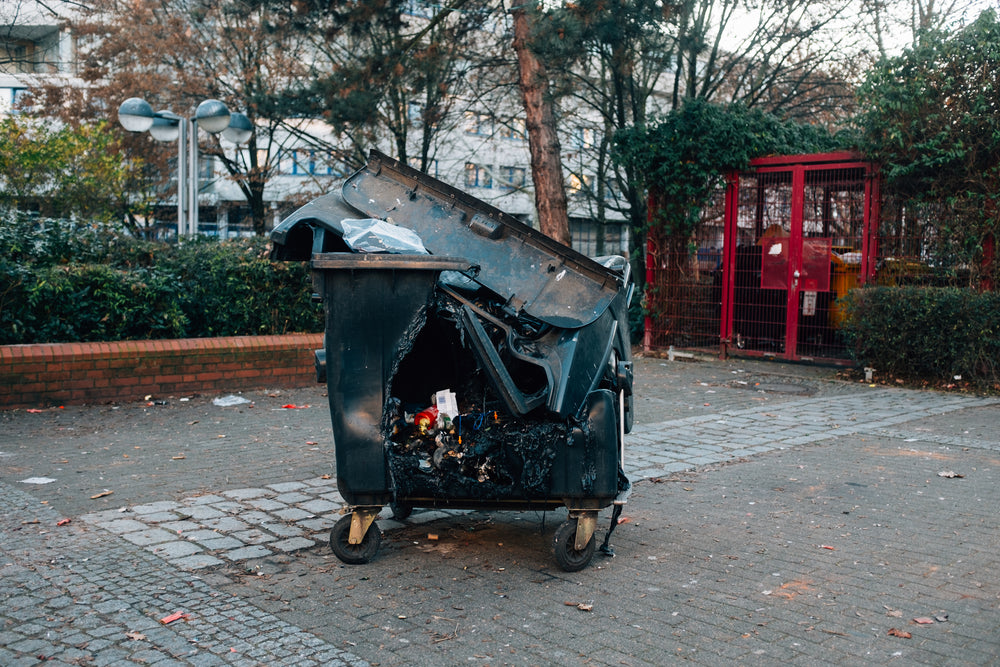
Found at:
(493, 372)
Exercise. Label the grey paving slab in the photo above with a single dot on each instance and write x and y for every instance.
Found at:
(129, 617)
(765, 527)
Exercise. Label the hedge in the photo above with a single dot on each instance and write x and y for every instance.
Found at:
(61, 282)
(926, 332)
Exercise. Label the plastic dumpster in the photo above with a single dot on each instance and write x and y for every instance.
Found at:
(483, 367)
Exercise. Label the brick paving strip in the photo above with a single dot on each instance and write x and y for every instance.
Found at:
(73, 595)
(252, 523)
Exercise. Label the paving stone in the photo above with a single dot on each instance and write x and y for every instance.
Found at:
(225, 524)
(292, 544)
(293, 514)
(320, 506)
(266, 504)
(286, 487)
(155, 508)
(248, 552)
(181, 526)
(246, 494)
(120, 526)
(293, 497)
(254, 536)
(149, 536)
(282, 529)
(221, 542)
(200, 512)
(322, 523)
(205, 499)
(202, 535)
(173, 550)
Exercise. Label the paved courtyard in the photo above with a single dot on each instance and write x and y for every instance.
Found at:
(780, 515)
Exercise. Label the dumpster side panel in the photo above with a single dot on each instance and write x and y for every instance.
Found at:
(586, 467)
(370, 317)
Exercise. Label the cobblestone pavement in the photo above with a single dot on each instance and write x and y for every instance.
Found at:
(779, 515)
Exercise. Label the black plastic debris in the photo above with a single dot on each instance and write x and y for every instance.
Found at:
(492, 372)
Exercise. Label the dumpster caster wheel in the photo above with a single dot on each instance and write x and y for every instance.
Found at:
(400, 511)
(563, 545)
(354, 554)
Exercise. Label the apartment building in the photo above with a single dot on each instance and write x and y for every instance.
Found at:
(485, 151)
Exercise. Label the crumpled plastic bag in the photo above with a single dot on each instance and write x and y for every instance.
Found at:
(374, 235)
(230, 401)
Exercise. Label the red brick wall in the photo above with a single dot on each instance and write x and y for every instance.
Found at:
(77, 373)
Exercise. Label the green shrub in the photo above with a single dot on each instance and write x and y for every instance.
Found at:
(926, 332)
(61, 282)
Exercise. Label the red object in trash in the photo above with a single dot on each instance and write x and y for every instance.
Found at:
(426, 418)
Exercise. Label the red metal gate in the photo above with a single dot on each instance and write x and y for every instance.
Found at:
(797, 238)
(764, 271)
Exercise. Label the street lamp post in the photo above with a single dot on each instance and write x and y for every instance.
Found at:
(136, 115)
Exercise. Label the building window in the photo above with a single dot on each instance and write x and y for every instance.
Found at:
(206, 168)
(513, 129)
(415, 113)
(303, 162)
(512, 178)
(477, 176)
(478, 123)
(585, 137)
(309, 162)
(432, 166)
(17, 57)
(578, 185)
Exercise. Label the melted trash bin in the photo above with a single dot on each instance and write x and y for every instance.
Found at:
(471, 361)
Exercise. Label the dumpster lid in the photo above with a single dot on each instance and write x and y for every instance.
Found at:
(534, 273)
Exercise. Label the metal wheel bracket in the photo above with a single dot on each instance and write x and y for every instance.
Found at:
(361, 520)
(586, 525)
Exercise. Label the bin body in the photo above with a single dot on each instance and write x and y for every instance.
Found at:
(374, 304)
(529, 336)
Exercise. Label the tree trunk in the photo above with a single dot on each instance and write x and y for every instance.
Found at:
(543, 142)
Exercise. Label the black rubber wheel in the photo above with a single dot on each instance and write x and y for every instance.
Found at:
(400, 511)
(563, 546)
(354, 554)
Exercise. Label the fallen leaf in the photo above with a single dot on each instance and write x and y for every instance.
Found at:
(902, 634)
(178, 458)
(310, 442)
(63, 522)
(325, 476)
(103, 493)
(923, 620)
(173, 617)
(137, 636)
(585, 606)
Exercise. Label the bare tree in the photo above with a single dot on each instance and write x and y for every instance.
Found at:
(895, 24)
(543, 138)
(176, 54)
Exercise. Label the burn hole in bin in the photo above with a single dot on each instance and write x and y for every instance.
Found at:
(484, 451)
